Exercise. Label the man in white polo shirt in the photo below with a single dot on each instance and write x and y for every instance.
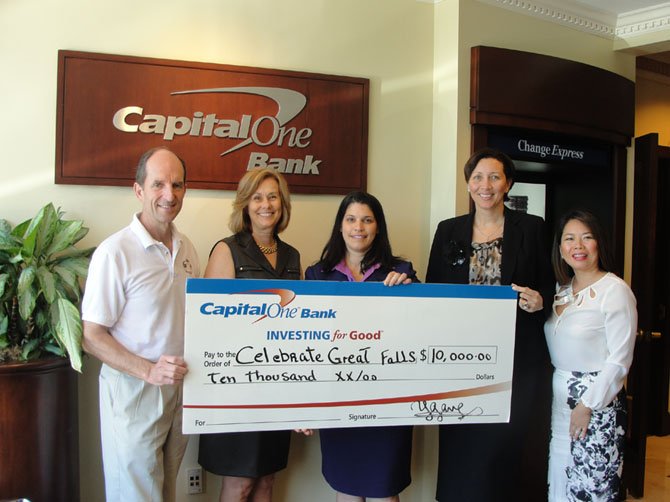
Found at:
(133, 311)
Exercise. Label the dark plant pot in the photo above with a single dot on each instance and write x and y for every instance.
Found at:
(39, 431)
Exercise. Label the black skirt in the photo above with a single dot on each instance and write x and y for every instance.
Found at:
(502, 462)
(244, 454)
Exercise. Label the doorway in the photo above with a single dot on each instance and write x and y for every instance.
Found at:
(650, 281)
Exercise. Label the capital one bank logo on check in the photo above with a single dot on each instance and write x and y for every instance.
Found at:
(281, 310)
(274, 310)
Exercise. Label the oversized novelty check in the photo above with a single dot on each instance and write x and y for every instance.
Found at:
(269, 355)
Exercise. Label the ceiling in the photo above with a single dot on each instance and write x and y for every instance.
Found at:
(617, 20)
(614, 19)
(624, 8)
(619, 7)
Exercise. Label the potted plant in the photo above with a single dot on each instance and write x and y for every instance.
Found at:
(40, 287)
(41, 274)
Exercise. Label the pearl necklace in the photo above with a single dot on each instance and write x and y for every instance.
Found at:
(272, 248)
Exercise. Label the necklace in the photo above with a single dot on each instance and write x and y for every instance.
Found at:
(489, 236)
(272, 248)
(567, 294)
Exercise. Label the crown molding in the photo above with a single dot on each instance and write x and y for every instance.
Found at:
(642, 21)
(593, 21)
(563, 12)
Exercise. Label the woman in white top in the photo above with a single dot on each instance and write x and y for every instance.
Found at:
(590, 335)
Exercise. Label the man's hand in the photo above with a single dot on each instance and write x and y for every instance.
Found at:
(168, 370)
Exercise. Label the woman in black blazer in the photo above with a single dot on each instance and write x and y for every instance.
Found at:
(495, 245)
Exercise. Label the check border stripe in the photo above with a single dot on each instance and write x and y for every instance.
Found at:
(338, 288)
(474, 391)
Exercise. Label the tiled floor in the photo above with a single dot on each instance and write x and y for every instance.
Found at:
(657, 471)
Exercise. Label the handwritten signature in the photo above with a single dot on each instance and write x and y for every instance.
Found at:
(430, 410)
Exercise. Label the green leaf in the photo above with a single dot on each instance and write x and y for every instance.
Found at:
(64, 236)
(30, 236)
(26, 279)
(19, 258)
(28, 248)
(30, 347)
(5, 227)
(46, 229)
(79, 266)
(41, 320)
(36, 221)
(66, 321)
(80, 235)
(3, 281)
(64, 290)
(27, 303)
(20, 230)
(9, 243)
(54, 349)
(68, 286)
(73, 252)
(26, 292)
(47, 283)
(4, 323)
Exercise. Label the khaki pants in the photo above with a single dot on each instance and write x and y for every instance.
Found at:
(142, 443)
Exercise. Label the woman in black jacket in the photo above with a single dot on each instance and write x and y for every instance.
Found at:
(497, 246)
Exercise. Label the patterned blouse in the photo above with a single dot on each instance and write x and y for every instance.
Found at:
(485, 262)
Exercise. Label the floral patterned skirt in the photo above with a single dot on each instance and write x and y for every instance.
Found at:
(588, 469)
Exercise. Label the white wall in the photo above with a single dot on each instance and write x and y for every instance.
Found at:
(416, 56)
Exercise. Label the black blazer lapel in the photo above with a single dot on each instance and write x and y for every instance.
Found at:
(463, 234)
(512, 240)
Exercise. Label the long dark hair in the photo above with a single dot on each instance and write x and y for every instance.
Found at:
(380, 251)
(562, 270)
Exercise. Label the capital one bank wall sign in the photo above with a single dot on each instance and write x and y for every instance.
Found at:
(222, 120)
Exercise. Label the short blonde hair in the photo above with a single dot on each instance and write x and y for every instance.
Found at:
(239, 219)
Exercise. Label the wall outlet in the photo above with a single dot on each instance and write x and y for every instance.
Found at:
(194, 480)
